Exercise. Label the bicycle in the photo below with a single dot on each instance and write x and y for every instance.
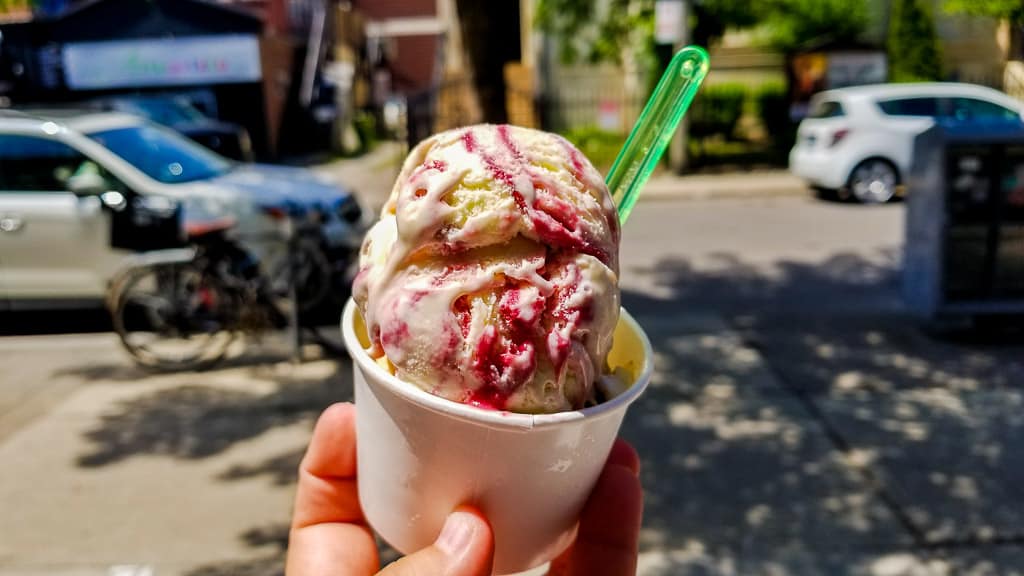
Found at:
(182, 308)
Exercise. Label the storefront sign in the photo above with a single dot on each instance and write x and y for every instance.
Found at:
(669, 20)
(813, 72)
(856, 69)
(162, 62)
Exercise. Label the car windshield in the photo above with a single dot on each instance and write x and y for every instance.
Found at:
(164, 110)
(162, 154)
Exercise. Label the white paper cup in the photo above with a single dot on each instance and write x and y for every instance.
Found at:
(420, 456)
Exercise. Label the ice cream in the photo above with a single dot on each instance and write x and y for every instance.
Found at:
(492, 276)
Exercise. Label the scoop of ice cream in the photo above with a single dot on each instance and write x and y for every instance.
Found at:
(491, 277)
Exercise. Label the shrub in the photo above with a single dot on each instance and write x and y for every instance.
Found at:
(914, 53)
(772, 104)
(600, 146)
(716, 110)
(365, 124)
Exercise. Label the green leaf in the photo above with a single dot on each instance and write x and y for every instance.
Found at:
(1012, 10)
(913, 46)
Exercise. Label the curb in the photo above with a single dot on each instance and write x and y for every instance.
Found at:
(710, 187)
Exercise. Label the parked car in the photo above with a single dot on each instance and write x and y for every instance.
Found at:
(66, 176)
(859, 141)
(176, 112)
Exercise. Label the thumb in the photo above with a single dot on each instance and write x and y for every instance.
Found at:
(465, 547)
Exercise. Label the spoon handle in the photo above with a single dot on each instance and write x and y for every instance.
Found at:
(655, 127)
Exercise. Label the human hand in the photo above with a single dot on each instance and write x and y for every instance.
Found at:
(329, 534)
(608, 537)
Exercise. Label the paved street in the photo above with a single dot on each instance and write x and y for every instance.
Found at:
(799, 422)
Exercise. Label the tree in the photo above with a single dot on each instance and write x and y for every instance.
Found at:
(601, 32)
(913, 46)
(13, 5)
(788, 24)
(713, 17)
(1011, 10)
(594, 32)
(490, 33)
(583, 32)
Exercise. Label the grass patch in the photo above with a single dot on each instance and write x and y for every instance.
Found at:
(600, 146)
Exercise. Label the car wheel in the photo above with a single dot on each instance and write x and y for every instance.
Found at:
(873, 181)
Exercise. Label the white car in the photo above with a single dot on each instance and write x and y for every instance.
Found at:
(859, 141)
(66, 176)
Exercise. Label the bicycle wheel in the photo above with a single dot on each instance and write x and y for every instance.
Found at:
(308, 268)
(173, 316)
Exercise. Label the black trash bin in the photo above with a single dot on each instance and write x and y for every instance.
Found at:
(964, 239)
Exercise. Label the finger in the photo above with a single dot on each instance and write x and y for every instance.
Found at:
(623, 454)
(337, 549)
(328, 535)
(327, 485)
(465, 547)
(609, 532)
(332, 451)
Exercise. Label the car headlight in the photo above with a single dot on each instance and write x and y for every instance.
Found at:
(349, 210)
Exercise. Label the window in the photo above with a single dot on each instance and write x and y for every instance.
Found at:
(164, 111)
(161, 154)
(928, 107)
(827, 109)
(29, 163)
(974, 109)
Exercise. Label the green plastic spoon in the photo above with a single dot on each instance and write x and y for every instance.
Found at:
(655, 127)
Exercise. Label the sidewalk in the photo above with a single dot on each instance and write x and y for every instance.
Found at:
(746, 469)
(138, 474)
(193, 474)
(757, 184)
(372, 176)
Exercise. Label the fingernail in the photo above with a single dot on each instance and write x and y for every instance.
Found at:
(457, 533)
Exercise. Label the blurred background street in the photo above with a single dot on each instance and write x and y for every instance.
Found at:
(829, 261)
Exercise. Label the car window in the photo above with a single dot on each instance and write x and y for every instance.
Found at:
(827, 109)
(30, 163)
(163, 110)
(910, 107)
(162, 154)
(975, 109)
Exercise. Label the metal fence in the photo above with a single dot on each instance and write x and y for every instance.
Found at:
(447, 105)
(568, 108)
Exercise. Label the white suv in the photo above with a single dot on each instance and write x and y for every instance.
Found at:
(859, 140)
(66, 176)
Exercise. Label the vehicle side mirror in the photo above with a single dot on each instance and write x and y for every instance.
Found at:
(87, 184)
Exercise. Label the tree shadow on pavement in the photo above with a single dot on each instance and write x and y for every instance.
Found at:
(196, 421)
(280, 470)
(780, 441)
(272, 538)
(192, 420)
(819, 429)
(816, 430)
(129, 372)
